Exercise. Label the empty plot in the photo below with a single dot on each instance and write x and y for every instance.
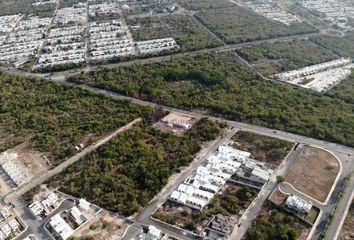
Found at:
(313, 172)
(187, 32)
(279, 57)
(237, 24)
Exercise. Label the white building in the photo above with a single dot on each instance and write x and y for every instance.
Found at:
(298, 204)
(60, 227)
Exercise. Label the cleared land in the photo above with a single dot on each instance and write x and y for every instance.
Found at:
(341, 45)
(205, 4)
(221, 85)
(262, 148)
(187, 32)
(270, 59)
(276, 223)
(126, 173)
(53, 119)
(313, 172)
(237, 24)
(229, 203)
(347, 231)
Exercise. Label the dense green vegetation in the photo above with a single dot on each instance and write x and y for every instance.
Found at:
(127, 172)
(187, 32)
(235, 25)
(284, 56)
(9, 7)
(275, 224)
(344, 90)
(341, 45)
(262, 148)
(54, 118)
(220, 84)
(205, 4)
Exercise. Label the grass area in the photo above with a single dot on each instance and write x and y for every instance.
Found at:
(262, 148)
(230, 202)
(221, 85)
(276, 223)
(9, 7)
(237, 24)
(187, 32)
(205, 4)
(347, 230)
(126, 173)
(313, 172)
(344, 90)
(341, 45)
(305, 81)
(273, 58)
(54, 118)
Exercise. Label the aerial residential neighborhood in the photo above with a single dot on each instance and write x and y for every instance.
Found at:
(176, 119)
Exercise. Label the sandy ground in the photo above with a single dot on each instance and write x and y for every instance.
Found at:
(277, 197)
(104, 226)
(347, 232)
(313, 172)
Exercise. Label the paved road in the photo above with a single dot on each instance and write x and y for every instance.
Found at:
(245, 221)
(144, 216)
(132, 231)
(34, 226)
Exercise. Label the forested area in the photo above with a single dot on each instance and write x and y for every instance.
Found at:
(344, 90)
(187, 32)
(272, 58)
(237, 24)
(220, 84)
(205, 4)
(262, 148)
(275, 224)
(54, 118)
(341, 45)
(127, 172)
(10, 7)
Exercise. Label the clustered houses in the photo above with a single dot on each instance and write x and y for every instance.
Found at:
(337, 12)
(8, 22)
(156, 45)
(103, 8)
(63, 46)
(110, 39)
(10, 226)
(43, 207)
(25, 39)
(43, 2)
(13, 172)
(298, 204)
(71, 15)
(209, 178)
(269, 10)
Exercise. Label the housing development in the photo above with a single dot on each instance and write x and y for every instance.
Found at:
(176, 119)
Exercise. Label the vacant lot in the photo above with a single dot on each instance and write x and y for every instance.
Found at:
(341, 45)
(237, 24)
(187, 32)
(53, 118)
(275, 223)
(347, 231)
(205, 4)
(229, 203)
(126, 173)
(313, 172)
(280, 57)
(262, 148)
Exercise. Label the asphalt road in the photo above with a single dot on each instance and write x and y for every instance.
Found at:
(144, 216)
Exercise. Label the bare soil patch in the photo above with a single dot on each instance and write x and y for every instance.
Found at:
(313, 172)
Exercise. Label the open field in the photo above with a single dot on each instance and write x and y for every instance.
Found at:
(273, 58)
(263, 148)
(230, 202)
(221, 85)
(126, 173)
(105, 225)
(187, 32)
(237, 24)
(341, 45)
(53, 119)
(347, 231)
(313, 172)
(276, 223)
(205, 4)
